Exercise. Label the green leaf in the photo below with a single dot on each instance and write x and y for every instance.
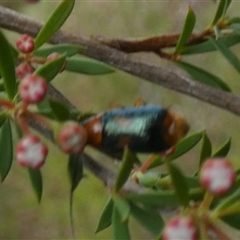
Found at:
(192, 181)
(232, 220)
(203, 76)
(180, 184)
(7, 68)
(223, 150)
(67, 49)
(157, 198)
(50, 69)
(123, 207)
(75, 170)
(157, 161)
(149, 219)
(227, 53)
(206, 150)
(44, 105)
(228, 202)
(207, 46)
(6, 149)
(129, 159)
(221, 11)
(106, 216)
(60, 111)
(2, 88)
(187, 29)
(36, 182)
(234, 20)
(87, 66)
(3, 117)
(120, 229)
(163, 198)
(14, 51)
(56, 20)
(186, 144)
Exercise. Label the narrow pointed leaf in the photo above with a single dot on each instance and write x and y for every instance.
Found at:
(163, 198)
(2, 118)
(14, 51)
(7, 68)
(67, 49)
(87, 66)
(157, 161)
(6, 149)
(127, 164)
(221, 11)
(59, 110)
(186, 144)
(228, 201)
(203, 76)
(2, 88)
(50, 69)
(123, 207)
(180, 184)
(187, 29)
(157, 198)
(227, 53)
(234, 20)
(55, 21)
(223, 150)
(36, 182)
(120, 229)
(44, 105)
(207, 46)
(206, 150)
(75, 170)
(149, 219)
(106, 216)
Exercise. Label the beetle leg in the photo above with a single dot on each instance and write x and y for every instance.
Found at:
(115, 106)
(152, 157)
(144, 167)
(139, 102)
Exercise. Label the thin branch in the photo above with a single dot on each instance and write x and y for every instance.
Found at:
(152, 44)
(17, 22)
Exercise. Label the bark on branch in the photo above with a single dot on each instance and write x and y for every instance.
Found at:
(17, 22)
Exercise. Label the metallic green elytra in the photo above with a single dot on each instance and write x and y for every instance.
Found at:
(141, 129)
(144, 129)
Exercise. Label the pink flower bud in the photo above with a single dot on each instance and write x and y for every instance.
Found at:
(24, 69)
(25, 43)
(72, 137)
(180, 227)
(31, 152)
(217, 175)
(32, 88)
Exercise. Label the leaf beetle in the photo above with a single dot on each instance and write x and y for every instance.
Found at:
(143, 129)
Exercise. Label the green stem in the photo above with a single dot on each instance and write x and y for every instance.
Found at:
(205, 205)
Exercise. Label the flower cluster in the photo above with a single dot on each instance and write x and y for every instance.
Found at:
(217, 176)
(71, 137)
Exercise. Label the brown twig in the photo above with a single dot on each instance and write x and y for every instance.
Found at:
(14, 21)
(152, 44)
